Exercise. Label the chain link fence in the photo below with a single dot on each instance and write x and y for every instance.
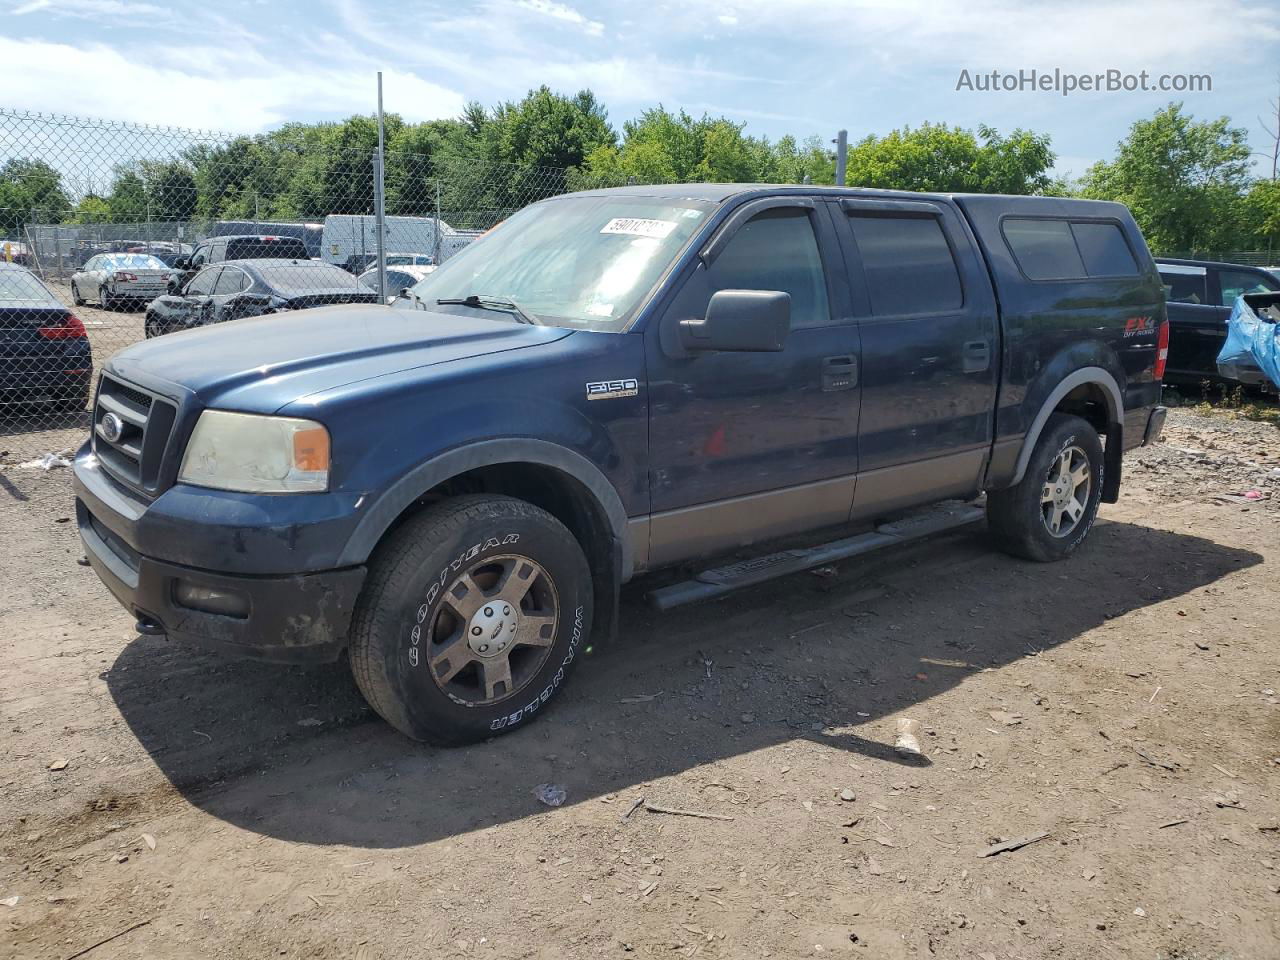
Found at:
(112, 233)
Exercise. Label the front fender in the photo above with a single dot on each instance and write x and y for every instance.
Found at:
(379, 517)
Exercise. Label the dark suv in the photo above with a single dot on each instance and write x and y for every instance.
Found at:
(1200, 295)
(245, 247)
(452, 489)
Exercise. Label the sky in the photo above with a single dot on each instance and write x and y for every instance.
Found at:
(802, 67)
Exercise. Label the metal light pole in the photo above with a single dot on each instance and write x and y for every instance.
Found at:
(379, 202)
(842, 156)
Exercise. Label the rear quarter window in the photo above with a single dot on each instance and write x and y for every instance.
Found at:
(1104, 250)
(1049, 249)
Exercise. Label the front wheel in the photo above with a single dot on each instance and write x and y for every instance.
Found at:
(472, 616)
(1047, 515)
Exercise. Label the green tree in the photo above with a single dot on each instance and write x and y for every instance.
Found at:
(171, 189)
(661, 146)
(91, 209)
(547, 129)
(30, 191)
(936, 157)
(1260, 215)
(1182, 179)
(127, 201)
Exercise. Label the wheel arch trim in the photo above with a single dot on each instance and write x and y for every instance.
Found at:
(487, 453)
(1097, 376)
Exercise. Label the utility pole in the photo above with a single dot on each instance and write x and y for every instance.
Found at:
(379, 202)
(842, 156)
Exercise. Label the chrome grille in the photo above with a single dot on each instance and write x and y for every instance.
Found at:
(133, 453)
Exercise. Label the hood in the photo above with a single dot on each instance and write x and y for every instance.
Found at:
(260, 364)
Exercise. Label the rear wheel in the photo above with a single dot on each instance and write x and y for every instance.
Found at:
(472, 615)
(76, 299)
(104, 299)
(1052, 509)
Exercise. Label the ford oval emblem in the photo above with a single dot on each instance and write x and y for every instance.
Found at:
(111, 427)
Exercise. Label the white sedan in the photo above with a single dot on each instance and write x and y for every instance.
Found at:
(113, 278)
(399, 278)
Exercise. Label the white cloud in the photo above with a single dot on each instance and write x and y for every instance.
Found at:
(728, 19)
(235, 89)
(93, 8)
(1009, 34)
(561, 11)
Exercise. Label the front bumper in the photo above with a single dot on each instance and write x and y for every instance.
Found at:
(278, 616)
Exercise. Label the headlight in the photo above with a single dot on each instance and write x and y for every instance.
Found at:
(256, 454)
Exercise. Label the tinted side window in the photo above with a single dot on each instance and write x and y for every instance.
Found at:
(200, 257)
(231, 281)
(1183, 287)
(1105, 252)
(1044, 249)
(203, 282)
(908, 265)
(776, 250)
(1235, 283)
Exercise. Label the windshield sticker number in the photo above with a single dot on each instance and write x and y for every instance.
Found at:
(636, 227)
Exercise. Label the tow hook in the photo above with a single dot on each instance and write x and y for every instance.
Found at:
(149, 627)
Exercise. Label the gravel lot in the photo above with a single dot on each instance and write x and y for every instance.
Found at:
(1123, 702)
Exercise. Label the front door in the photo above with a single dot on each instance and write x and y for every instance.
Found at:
(930, 352)
(746, 446)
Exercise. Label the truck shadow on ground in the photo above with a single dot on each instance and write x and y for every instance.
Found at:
(293, 753)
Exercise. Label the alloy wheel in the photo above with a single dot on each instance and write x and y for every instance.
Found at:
(1064, 498)
(493, 630)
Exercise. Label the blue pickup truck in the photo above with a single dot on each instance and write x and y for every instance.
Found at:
(451, 489)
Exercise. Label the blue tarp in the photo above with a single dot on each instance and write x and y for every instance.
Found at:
(1251, 352)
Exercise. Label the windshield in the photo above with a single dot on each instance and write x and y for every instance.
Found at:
(265, 248)
(583, 262)
(298, 277)
(138, 261)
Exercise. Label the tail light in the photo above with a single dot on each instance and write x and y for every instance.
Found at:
(121, 275)
(69, 329)
(1162, 350)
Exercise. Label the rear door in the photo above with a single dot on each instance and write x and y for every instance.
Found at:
(1197, 321)
(929, 352)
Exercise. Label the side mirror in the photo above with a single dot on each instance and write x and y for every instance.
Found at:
(744, 321)
(182, 263)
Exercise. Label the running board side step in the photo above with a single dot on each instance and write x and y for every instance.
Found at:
(721, 580)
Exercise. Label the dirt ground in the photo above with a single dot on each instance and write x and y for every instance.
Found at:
(1123, 703)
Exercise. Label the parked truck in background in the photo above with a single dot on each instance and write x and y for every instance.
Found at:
(452, 489)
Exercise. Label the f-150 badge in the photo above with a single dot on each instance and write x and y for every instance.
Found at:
(611, 389)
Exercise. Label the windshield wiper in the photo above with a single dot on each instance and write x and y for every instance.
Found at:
(504, 304)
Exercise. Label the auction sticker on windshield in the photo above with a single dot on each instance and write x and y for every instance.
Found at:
(636, 227)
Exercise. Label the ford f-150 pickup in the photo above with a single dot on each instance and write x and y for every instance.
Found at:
(450, 489)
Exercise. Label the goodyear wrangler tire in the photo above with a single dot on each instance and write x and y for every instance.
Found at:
(1052, 509)
(471, 618)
